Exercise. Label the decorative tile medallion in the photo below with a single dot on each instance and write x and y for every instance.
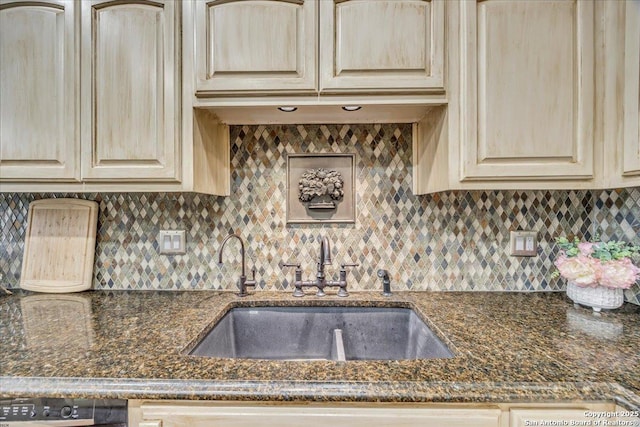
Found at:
(457, 240)
(320, 188)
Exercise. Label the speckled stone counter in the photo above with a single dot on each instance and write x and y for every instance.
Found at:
(508, 346)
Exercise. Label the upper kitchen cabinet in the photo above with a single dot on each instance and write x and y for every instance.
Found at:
(39, 138)
(381, 46)
(521, 89)
(92, 99)
(527, 90)
(246, 48)
(131, 90)
(256, 46)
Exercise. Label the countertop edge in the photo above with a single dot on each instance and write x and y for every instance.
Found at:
(330, 391)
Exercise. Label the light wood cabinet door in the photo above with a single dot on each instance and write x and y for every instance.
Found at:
(631, 156)
(130, 85)
(256, 46)
(527, 90)
(195, 414)
(39, 139)
(381, 46)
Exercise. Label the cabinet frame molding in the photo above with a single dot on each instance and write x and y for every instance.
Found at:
(200, 413)
(241, 414)
(631, 109)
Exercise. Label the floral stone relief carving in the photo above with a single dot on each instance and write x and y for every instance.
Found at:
(321, 188)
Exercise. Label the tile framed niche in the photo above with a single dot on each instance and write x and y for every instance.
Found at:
(321, 188)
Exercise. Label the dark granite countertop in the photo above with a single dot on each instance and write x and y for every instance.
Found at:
(509, 347)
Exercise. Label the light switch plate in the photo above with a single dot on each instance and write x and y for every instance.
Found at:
(524, 243)
(172, 242)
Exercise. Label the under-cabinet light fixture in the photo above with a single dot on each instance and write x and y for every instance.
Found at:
(287, 109)
(351, 107)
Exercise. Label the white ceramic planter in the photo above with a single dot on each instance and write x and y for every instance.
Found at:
(597, 298)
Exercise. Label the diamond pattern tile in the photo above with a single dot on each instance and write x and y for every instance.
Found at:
(455, 240)
(617, 217)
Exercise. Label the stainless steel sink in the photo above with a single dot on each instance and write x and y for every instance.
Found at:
(324, 333)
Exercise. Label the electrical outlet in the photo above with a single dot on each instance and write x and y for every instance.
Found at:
(524, 243)
(172, 242)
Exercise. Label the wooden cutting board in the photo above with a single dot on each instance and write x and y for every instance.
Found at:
(60, 245)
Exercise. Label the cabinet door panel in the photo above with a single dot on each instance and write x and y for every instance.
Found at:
(382, 45)
(256, 45)
(129, 65)
(38, 136)
(631, 165)
(202, 415)
(528, 90)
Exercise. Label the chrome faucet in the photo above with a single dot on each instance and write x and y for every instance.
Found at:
(321, 282)
(243, 283)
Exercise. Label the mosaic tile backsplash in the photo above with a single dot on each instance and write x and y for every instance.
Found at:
(455, 240)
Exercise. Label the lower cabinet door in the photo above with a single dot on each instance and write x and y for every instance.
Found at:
(204, 415)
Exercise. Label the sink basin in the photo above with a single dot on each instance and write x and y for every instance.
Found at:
(322, 333)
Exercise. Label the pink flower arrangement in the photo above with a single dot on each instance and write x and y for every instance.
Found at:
(597, 264)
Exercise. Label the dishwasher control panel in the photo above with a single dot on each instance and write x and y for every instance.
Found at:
(45, 409)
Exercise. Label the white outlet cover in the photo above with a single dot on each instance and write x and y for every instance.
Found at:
(172, 242)
(524, 243)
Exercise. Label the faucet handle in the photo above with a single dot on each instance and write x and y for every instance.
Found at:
(248, 283)
(297, 276)
(342, 292)
(343, 272)
(343, 266)
(286, 264)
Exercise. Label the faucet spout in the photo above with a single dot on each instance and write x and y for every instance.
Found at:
(324, 259)
(325, 251)
(224, 242)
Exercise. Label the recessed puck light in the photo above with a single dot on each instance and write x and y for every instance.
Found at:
(288, 109)
(351, 107)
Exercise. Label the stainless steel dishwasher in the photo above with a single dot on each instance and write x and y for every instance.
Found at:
(31, 412)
